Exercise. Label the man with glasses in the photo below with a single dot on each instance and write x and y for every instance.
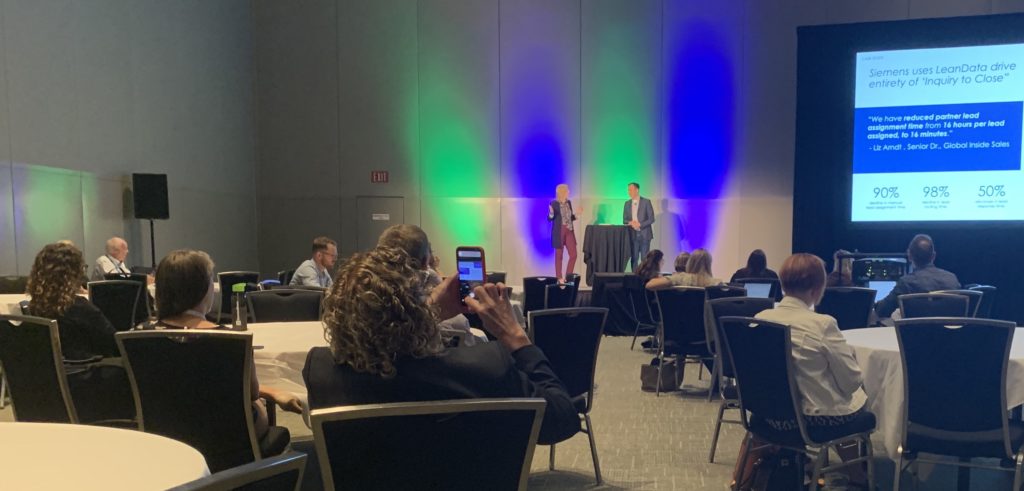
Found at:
(316, 271)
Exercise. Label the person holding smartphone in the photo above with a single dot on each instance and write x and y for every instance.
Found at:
(386, 346)
(563, 235)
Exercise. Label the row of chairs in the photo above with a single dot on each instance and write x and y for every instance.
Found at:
(214, 363)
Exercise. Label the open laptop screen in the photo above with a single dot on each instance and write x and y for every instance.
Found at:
(759, 290)
(882, 288)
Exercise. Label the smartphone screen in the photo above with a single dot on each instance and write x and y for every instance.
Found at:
(472, 268)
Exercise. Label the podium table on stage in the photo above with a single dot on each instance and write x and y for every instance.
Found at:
(606, 249)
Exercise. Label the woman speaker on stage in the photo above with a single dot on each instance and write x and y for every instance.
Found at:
(561, 216)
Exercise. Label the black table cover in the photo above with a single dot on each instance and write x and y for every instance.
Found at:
(606, 249)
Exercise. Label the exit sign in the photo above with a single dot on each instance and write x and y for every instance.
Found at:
(379, 176)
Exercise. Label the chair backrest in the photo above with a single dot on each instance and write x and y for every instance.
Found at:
(119, 301)
(988, 299)
(496, 277)
(570, 339)
(278, 473)
(573, 278)
(533, 291)
(559, 296)
(194, 386)
(285, 277)
(850, 306)
(638, 295)
(973, 299)
(145, 306)
(725, 291)
(776, 287)
(13, 284)
(761, 355)
(681, 310)
(31, 361)
(285, 305)
(227, 280)
(459, 445)
(956, 397)
(933, 305)
(732, 307)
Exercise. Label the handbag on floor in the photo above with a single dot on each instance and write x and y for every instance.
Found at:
(769, 468)
(649, 377)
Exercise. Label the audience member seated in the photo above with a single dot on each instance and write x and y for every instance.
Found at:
(113, 260)
(650, 267)
(757, 267)
(681, 260)
(184, 295)
(698, 273)
(316, 271)
(54, 288)
(924, 278)
(385, 345)
(835, 278)
(825, 369)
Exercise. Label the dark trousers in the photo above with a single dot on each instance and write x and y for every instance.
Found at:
(569, 243)
(639, 249)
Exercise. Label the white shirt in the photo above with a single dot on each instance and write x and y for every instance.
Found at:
(636, 206)
(106, 265)
(827, 372)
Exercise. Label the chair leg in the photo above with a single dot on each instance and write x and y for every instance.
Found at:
(3, 390)
(714, 378)
(593, 449)
(661, 364)
(748, 440)
(551, 458)
(819, 461)
(1017, 472)
(635, 334)
(899, 469)
(718, 429)
(870, 454)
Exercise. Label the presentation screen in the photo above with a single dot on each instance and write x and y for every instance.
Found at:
(937, 134)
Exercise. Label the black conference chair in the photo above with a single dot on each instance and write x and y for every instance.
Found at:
(639, 305)
(30, 356)
(226, 281)
(933, 305)
(119, 302)
(560, 296)
(682, 334)
(570, 338)
(974, 298)
(957, 409)
(762, 360)
(988, 300)
(285, 277)
(534, 288)
(467, 444)
(13, 284)
(573, 278)
(496, 277)
(169, 368)
(285, 305)
(725, 291)
(723, 374)
(775, 291)
(145, 307)
(280, 473)
(850, 306)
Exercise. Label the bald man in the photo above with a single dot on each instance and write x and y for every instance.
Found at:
(113, 260)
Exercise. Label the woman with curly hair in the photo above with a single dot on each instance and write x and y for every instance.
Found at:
(55, 291)
(55, 288)
(385, 345)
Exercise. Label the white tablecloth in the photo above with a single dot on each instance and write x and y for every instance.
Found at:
(878, 355)
(9, 303)
(283, 354)
(64, 456)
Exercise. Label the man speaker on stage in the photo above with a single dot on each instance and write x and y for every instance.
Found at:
(638, 213)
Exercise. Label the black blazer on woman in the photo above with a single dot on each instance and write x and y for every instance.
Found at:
(556, 222)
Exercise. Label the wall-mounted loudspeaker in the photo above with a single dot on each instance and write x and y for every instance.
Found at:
(149, 193)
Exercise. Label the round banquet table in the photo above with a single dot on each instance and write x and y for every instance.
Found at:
(281, 353)
(66, 456)
(878, 355)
